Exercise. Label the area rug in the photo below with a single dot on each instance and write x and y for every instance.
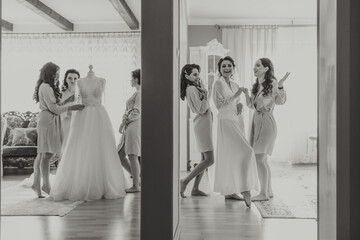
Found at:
(274, 208)
(303, 207)
(20, 200)
(278, 208)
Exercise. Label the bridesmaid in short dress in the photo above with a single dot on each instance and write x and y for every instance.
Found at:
(265, 94)
(130, 144)
(197, 99)
(49, 140)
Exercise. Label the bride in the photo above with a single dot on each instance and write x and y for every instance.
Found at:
(235, 166)
(90, 168)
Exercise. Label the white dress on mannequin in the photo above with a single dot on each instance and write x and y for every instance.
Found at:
(90, 168)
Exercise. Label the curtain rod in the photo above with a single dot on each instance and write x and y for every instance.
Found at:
(73, 32)
(264, 25)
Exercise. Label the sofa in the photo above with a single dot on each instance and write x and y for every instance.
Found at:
(20, 139)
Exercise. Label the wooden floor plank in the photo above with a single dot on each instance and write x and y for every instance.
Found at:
(202, 218)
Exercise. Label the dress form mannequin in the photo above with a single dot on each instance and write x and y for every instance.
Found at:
(91, 74)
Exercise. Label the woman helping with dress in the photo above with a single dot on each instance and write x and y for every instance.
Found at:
(49, 140)
(67, 98)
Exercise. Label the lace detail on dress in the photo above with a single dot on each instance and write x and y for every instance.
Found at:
(91, 91)
(91, 101)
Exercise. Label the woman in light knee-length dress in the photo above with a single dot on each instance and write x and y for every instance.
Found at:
(49, 130)
(130, 144)
(265, 94)
(235, 168)
(197, 99)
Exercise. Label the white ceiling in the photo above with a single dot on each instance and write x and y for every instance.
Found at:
(227, 12)
(86, 15)
(100, 15)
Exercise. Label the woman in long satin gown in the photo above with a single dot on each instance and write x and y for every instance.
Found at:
(235, 167)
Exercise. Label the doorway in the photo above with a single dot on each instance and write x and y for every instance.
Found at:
(294, 160)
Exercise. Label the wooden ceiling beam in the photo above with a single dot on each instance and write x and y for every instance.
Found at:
(49, 14)
(125, 12)
(6, 26)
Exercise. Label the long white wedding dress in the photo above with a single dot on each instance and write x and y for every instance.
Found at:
(90, 167)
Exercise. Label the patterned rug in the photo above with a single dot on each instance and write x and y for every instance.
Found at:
(20, 200)
(274, 208)
(277, 208)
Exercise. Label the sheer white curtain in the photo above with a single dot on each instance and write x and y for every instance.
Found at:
(113, 55)
(297, 119)
(291, 49)
(247, 43)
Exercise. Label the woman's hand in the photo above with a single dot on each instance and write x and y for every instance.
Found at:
(203, 91)
(210, 83)
(281, 82)
(125, 117)
(238, 92)
(76, 107)
(201, 86)
(122, 128)
(246, 92)
(239, 108)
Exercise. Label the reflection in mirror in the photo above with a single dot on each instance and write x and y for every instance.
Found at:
(73, 152)
(285, 157)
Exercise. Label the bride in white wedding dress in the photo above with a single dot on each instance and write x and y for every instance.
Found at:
(90, 168)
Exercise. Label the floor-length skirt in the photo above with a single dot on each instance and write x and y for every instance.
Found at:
(235, 164)
(90, 168)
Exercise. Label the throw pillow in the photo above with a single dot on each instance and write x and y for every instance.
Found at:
(9, 137)
(13, 121)
(33, 123)
(24, 137)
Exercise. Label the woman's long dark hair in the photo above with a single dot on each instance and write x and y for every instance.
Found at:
(47, 75)
(65, 85)
(186, 70)
(136, 75)
(269, 77)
